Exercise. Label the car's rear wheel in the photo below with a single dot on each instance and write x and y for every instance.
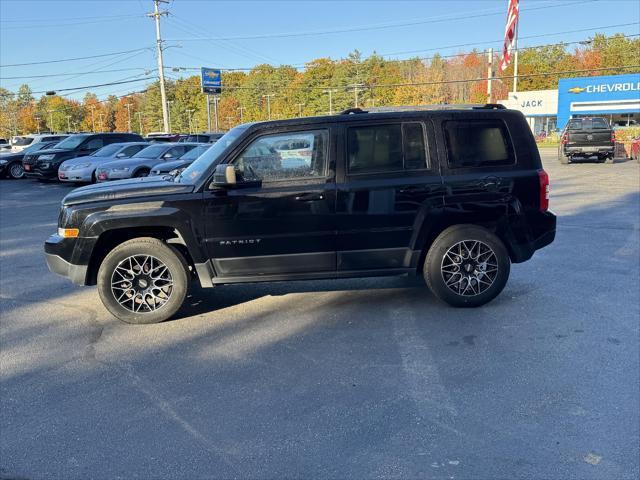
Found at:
(16, 171)
(142, 173)
(562, 158)
(143, 280)
(467, 266)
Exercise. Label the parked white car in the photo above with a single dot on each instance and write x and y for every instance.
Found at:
(20, 142)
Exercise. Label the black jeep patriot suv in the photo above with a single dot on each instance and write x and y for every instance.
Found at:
(455, 195)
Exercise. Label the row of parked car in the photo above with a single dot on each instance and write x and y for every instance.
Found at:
(99, 157)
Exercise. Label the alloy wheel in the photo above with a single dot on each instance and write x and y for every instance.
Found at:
(141, 283)
(469, 268)
(16, 170)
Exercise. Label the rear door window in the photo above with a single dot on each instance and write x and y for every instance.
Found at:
(478, 143)
(386, 148)
(94, 144)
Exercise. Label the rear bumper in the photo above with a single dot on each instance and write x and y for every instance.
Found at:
(589, 149)
(83, 175)
(528, 234)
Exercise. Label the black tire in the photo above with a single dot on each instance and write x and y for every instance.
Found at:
(435, 261)
(15, 170)
(562, 158)
(143, 247)
(143, 172)
(608, 160)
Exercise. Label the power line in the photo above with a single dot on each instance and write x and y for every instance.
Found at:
(50, 20)
(71, 24)
(86, 87)
(73, 59)
(77, 73)
(378, 26)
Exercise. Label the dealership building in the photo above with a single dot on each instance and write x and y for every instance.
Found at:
(615, 97)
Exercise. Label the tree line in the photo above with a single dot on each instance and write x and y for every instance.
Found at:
(322, 86)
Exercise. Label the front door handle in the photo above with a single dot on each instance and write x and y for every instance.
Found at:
(309, 197)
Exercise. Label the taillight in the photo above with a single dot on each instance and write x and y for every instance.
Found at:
(565, 138)
(613, 137)
(543, 180)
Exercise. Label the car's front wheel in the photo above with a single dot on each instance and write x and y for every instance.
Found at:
(467, 266)
(16, 171)
(143, 280)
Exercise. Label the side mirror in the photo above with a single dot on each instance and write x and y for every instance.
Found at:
(224, 176)
(121, 155)
(167, 156)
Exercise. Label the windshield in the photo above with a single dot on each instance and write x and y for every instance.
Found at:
(71, 142)
(107, 151)
(193, 172)
(588, 124)
(21, 141)
(195, 152)
(39, 146)
(153, 151)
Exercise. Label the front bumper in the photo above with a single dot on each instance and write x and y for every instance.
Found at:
(79, 175)
(56, 264)
(34, 171)
(69, 257)
(102, 176)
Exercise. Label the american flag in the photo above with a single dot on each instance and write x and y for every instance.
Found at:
(509, 34)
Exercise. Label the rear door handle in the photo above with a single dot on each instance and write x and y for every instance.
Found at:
(413, 190)
(309, 197)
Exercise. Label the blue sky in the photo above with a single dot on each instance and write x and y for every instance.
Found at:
(36, 31)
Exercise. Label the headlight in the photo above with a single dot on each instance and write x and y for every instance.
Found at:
(120, 169)
(49, 156)
(78, 167)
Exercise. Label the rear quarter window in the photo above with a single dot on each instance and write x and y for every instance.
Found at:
(478, 143)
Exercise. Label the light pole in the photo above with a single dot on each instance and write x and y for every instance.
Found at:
(268, 97)
(68, 123)
(169, 102)
(241, 110)
(128, 105)
(229, 122)
(101, 116)
(140, 121)
(93, 119)
(189, 112)
(216, 99)
(37, 117)
(330, 92)
(300, 105)
(50, 112)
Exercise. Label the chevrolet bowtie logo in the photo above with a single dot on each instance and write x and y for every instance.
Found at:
(211, 75)
(577, 90)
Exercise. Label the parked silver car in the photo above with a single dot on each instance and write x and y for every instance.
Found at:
(141, 163)
(82, 169)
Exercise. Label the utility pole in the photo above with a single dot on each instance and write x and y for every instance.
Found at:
(356, 88)
(169, 102)
(189, 112)
(241, 110)
(101, 116)
(38, 117)
(229, 122)
(140, 121)
(268, 97)
(68, 123)
(128, 105)
(489, 73)
(330, 92)
(50, 112)
(163, 93)
(93, 120)
(300, 105)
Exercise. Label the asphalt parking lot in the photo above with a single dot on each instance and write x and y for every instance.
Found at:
(360, 378)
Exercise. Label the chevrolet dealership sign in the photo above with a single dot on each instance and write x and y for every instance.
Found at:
(614, 94)
(608, 87)
(534, 103)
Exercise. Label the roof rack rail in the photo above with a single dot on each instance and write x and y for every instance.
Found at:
(444, 106)
(349, 111)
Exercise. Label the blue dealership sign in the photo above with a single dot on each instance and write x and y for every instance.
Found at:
(612, 94)
(211, 80)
